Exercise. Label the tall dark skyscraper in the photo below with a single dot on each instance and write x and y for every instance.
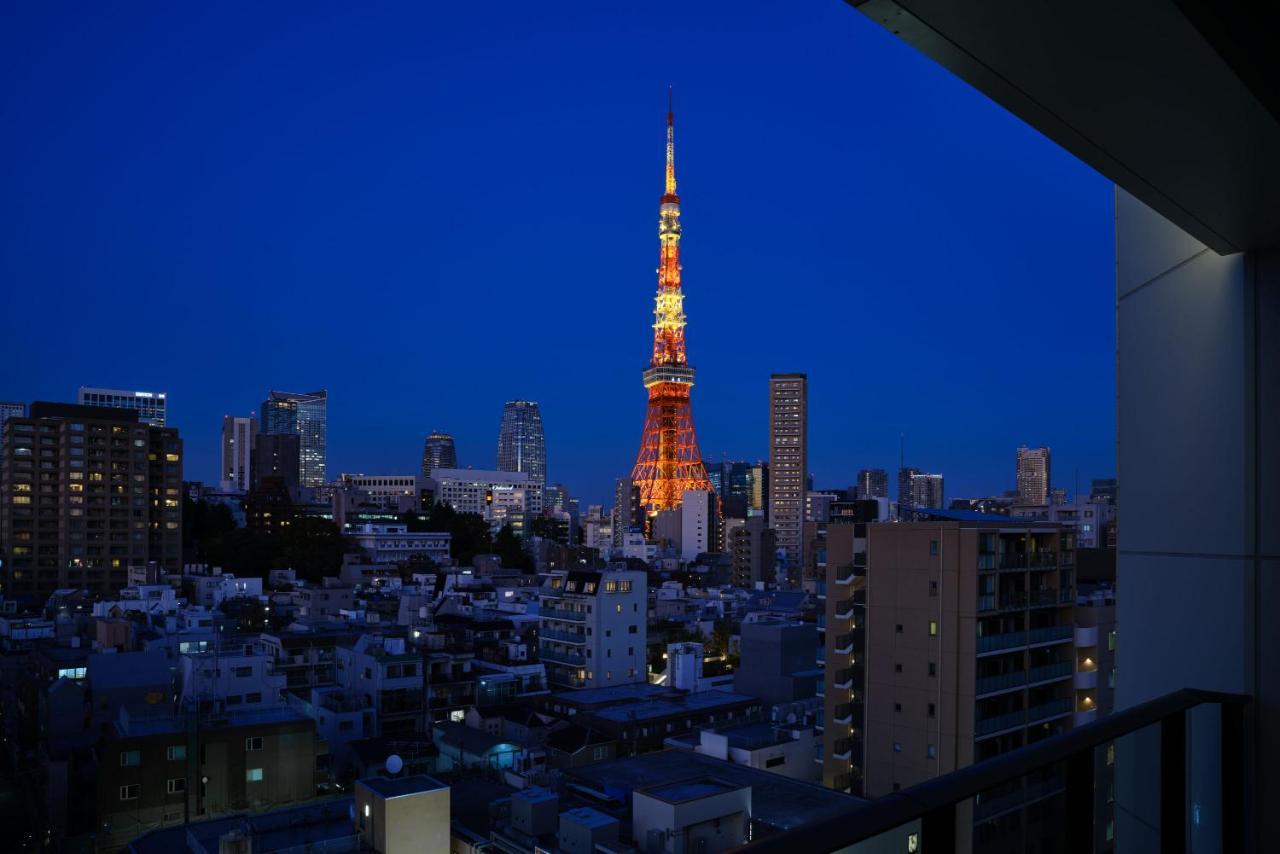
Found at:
(872, 483)
(438, 453)
(788, 460)
(307, 415)
(521, 446)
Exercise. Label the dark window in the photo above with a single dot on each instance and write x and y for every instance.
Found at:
(933, 710)
(933, 547)
(897, 668)
(775, 761)
(933, 669)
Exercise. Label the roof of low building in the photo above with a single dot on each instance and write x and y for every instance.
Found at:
(396, 787)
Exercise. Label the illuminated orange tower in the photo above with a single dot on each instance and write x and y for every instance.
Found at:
(669, 463)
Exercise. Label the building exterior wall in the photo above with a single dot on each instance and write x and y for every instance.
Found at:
(788, 461)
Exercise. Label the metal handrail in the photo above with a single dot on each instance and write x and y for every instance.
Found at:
(933, 802)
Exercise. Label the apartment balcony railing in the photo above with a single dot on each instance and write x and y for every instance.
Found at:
(1002, 682)
(1048, 672)
(1048, 596)
(844, 644)
(1051, 634)
(564, 637)
(995, 643)
(999, 723)
(842, 714)
(1013, 599)
(562, 657)
(844, 609)
(842, 748)
(564, 614)
(1043, 560)
(1012, 561)
(844, 574)
(843, 678)
(1051, 709)
(925, 816)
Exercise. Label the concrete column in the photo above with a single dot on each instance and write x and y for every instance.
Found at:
(1199, 464)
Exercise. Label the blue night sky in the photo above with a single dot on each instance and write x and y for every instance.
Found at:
(430, 209)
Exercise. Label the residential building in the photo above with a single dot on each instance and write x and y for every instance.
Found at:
(817, 506)
(389, 674)
(307, 415)
(438, 453)
(916, 489)
(593, 627)
(1088, 518)
(150, 405)
(153, 774)
(699, 525)
(777, 661)
(1033, 476)
(491, 494)
(626, 513)
(521, 447)
(395, 543)
(752, 548)
(872, 483)
(11, 409)
(968, 652)
(85, 493)
(238, 434)
(788, 461)
(402, 815)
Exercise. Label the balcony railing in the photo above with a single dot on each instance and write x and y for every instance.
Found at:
(999, 723)
(1002, 682)
(1009, 640)
(925, 815)
(564, 637)
(549, 654)
(1051, 709)
(1050, 634)
(564, 614)
(1059, 670)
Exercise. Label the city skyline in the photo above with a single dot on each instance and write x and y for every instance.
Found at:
(851, 236)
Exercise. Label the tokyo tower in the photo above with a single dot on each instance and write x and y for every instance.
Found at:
(669, 463)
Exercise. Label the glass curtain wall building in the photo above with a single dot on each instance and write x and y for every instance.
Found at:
(307, 415)
(521, 446)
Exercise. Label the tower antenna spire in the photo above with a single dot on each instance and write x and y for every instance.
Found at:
(671, 142)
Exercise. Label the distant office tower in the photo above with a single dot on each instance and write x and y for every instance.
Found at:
(237, 452)
(788, 460)
(85, 493)
(11, 409)
(817, 506)
(276, 462)
(918, 489)
(438, 453)
(150, 405)
(307, 415)
(521, 446)
(626, 512)
(1033, 476)
(752, 547)
(758, 490)
(872, 483)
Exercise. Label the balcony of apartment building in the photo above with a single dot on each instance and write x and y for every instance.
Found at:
(1171, 101)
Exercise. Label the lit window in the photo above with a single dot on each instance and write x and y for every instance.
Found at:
(130, 758)
(176, 752)
(176, 785)
(254, 743)
(253, 775)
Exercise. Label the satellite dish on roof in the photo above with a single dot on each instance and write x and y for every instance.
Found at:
(394, 764)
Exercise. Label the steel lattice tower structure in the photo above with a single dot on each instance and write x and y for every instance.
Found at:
(669, 463)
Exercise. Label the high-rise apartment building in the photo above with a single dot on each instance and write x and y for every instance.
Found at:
(1033, 476)
(947, 642)
(699, 524)
(872, 483)
(307, 415)
(521, 446)
(917, 489)
(438, 453)
(85, 493)
(593, 628)
(788, 461)
(752, 547)
(627, 512)
(150, 405)
(238, 433)
(11, 409)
